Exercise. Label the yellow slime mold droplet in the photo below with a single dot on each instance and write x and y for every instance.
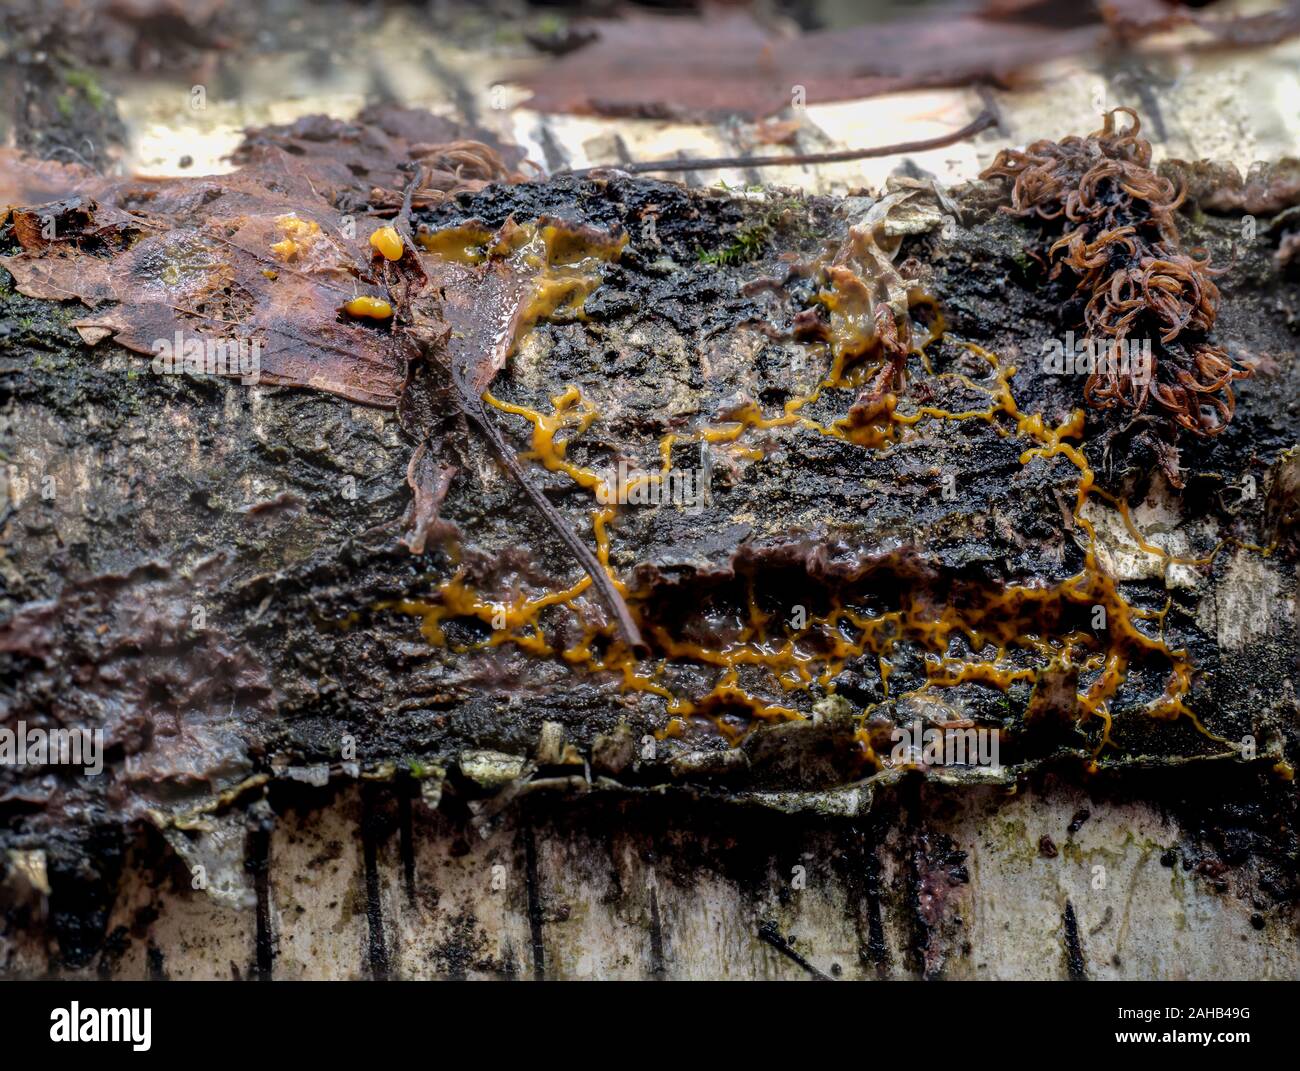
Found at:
(372, 307)
(388, 242)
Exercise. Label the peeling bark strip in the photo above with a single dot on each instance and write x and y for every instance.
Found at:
(429, 483)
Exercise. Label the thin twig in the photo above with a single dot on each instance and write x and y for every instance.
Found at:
(471, 405)
(404, 216)
(986, 118)
(769, 933)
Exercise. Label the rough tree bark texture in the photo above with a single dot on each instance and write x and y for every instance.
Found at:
(176, 493)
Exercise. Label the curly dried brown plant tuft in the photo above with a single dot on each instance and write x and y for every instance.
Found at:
(460, 166)
(1120, 241)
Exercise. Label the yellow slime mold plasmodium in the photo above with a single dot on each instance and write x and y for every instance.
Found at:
(1031, 622)
(299, 234)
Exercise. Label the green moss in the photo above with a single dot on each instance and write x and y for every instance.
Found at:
(782, 214)
(87, 85)
(747, 245)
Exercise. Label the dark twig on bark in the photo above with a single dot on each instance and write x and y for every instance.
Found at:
(471, 404)
(986, 118)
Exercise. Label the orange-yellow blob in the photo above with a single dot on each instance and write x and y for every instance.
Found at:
(372, 307)
(388, 242)
(299, 234)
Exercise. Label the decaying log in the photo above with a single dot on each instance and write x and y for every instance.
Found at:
(221, 578)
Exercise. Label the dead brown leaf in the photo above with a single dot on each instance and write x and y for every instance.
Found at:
(267, 255)
(724, 63)
(264, 261)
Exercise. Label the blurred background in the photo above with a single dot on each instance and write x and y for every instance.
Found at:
(167, 87)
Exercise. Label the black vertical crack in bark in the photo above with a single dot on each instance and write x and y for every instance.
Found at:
(658, 968)
(1074, 961)
(377, 956)
(918, 924)
(534, 899)
(877, 949)
(919, 944)
(406, 835)
(864, 888)
(258, 863)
